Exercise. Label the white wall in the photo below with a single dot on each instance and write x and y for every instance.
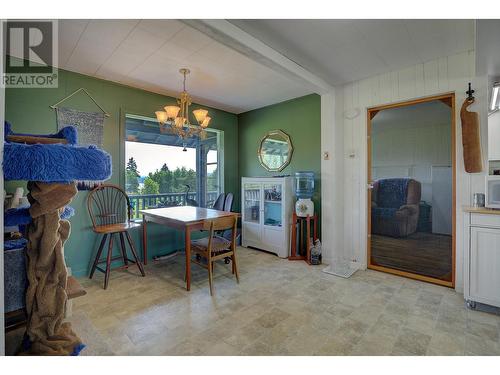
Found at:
(332, 170)
(448, 74)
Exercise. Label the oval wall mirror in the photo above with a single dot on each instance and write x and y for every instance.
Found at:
(275, 151)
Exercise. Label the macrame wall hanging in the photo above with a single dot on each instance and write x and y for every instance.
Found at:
(89, 125)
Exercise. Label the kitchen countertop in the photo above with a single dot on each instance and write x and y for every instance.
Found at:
(481, 210)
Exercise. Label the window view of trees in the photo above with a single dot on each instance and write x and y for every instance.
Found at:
(132, 177)
(213, 180)
(161, 181)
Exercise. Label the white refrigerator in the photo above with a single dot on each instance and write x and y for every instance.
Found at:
(442, 199)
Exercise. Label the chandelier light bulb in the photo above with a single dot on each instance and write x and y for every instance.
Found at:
(200, 115)
(172, 111)
(161, 116)
(205, 122)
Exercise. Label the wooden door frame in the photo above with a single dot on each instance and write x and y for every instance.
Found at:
(371, 112)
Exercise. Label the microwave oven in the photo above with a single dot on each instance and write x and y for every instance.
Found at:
(492, 196)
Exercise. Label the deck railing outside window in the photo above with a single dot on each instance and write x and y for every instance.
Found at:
(141, 202)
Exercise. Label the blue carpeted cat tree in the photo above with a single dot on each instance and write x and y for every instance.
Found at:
(52, 164)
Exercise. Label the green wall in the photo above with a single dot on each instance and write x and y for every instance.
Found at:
(28, 111)
(301, 119)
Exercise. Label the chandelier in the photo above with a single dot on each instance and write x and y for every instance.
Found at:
(176, 118)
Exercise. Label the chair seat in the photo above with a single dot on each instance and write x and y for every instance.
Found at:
(115, 228)
(384, 212)
(219, 244)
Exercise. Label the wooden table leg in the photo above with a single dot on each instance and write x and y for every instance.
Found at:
(296, 227)
(301, 238)
(293, 249)
(308, 239)
(187, 245)
(315, 227)
(144, 241)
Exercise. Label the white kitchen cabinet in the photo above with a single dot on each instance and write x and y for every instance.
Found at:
(482, 258)
(267, 204)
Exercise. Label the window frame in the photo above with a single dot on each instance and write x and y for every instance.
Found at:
(220, 160)
(124, 114)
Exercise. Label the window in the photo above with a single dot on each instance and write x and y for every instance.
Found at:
(212, 171)
(164, 170)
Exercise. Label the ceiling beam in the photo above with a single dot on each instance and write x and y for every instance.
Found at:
(239, 40)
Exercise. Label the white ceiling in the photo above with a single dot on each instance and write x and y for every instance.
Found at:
(413, 116)
(341, 51)
(488, 47)
(148, 54)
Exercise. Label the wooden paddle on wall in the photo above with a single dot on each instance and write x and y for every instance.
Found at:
(471, 138)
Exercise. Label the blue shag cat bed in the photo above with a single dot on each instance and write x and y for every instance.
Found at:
(18, 243)
(54, 170)
(76, 350)
(54, 162)
(68, 133)
(21, 215)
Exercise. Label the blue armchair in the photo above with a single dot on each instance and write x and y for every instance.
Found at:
(395, 207)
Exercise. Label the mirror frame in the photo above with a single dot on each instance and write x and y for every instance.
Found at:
(290, 150)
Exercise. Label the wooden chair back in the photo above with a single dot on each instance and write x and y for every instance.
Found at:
(221, 224)
(108, 204)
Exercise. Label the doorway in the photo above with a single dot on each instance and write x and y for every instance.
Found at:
(411, 190)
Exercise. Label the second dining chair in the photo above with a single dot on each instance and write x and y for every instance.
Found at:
(219, 202)
(109, 209)
(228, 202)
(214, 247)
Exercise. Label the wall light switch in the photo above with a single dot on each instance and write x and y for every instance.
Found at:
(326, 155)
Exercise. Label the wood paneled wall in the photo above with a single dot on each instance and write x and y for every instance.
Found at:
(448, 74)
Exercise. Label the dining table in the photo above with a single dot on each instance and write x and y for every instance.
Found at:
(184, 218)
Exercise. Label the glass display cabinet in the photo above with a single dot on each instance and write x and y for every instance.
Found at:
(267, 209)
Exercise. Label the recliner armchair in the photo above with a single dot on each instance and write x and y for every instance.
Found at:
(395, 206)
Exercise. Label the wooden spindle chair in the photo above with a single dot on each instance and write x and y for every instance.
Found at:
(110, 211)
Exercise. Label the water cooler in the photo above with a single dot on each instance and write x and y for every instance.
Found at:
(304, 190)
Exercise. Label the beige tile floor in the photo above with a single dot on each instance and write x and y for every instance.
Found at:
(282, 308)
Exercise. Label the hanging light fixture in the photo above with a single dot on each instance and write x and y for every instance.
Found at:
(176, 118)
(495, 97)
